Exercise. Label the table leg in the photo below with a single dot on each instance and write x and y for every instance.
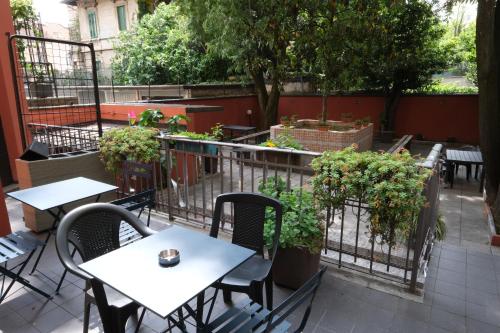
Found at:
(452, 174)
(200, 304)
(16, 277)
(481, 182)
(57, 218)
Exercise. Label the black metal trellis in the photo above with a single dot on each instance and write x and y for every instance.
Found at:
(57, 92)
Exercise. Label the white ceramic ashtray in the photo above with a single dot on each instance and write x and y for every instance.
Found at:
(169, 257)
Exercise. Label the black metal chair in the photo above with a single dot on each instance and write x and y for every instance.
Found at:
(12, 247)
(94, 230)
(248, 231)
(253, 317)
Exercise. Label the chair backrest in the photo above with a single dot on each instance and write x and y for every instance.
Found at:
(248, 218)
(94, 230)
(305, 293)
(137, 177)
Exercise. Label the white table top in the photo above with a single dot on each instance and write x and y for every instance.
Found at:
(60, 193)
(134, 269)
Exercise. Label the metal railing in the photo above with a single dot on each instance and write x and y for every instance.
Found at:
(64, 139)
(193, 173)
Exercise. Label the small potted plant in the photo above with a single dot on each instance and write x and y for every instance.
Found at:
(358, 124)
(284, 141)
(150, 118)
(285, 121)
(301, 238)
(128, 143)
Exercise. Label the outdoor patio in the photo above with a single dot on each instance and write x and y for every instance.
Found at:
(461, 291)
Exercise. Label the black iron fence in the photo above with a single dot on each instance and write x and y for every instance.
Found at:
(64, 139)
(192, 173)
(56, 86)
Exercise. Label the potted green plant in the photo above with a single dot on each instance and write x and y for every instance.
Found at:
(285, 121)
(284, 141)
(40, 87)
(150, 118)
(301, 238)
(128, 143)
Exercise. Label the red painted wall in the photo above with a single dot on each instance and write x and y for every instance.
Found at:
(436, 118)
(235, 109)
(8, 111)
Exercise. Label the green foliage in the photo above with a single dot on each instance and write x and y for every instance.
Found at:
(461, 50)
(407, 51)
(300, 225)
(161, 49)
(217, 132)
(22, 10)
(150, 118)
(439, 88)
(284, 141)
(440, 231)
(197, 136)
(391, 185)
(128, 143)
(173, 123)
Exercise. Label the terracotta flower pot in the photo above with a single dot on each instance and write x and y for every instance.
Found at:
(294, 266)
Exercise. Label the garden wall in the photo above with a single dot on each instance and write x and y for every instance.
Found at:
(435, 118)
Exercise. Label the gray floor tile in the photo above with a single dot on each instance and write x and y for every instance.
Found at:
(475, 326)
(413, 310)
(452, 265)
(446, 275)
(447, 320)
(485, 314)
(449, 304)
(450, 289)
(403, 324)
(52, 320)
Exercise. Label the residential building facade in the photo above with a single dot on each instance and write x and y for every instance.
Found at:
(101, 22)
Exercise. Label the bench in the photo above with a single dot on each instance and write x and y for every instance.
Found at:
(403, 143)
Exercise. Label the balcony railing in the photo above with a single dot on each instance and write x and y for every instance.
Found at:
(192, 173)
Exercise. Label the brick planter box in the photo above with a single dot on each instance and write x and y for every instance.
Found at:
(319, 141)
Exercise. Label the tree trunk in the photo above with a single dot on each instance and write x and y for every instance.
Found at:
(488, 55)
(324, 108)
(391, 105)
(268, 102)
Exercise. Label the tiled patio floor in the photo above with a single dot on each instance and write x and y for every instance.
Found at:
(462, 291)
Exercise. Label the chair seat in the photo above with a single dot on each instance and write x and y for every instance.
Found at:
(247, 317)
(254, 269)
(113, 297)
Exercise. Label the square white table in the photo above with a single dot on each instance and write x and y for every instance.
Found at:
(52, 198)
(134, 270)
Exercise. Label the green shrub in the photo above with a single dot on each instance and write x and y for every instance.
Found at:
(283, 141)
(128, 143)
(391, 185)
(300, 226)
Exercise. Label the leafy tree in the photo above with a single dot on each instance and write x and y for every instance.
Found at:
(161, 49)
(323, 47)
(398, 48)
(257, 35)
(460, 45)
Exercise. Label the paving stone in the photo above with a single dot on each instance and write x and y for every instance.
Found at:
(485, 314)
(476, 326)
(452, 265)
(450, 289)
(447, 320)
(446, 275)
(52, 320)
(449, 304)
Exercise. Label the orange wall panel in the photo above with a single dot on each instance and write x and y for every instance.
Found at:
(8, 110)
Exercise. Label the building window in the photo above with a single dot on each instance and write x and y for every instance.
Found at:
(92, 24)
(122, 18)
